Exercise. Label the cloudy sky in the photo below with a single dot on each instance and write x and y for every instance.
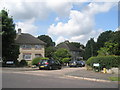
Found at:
(76, 21)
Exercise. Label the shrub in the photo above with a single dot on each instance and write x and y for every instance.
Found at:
(108, 61)
(23, 63)
(66, 60)
(17, 63)
(37, 59)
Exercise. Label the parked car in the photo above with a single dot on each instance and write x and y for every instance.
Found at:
(75, 63)
(49, 64)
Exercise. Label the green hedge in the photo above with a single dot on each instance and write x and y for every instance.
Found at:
(108, 61)
(37, 59)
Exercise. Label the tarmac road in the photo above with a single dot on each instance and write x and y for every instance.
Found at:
(22, 80)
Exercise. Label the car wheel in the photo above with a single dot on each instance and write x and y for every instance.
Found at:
(59, 67)
(39, 68)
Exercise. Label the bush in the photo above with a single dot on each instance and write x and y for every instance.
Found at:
(66, 60)
(107, 61)
(23, 63)
(16, 63)
(37, 59)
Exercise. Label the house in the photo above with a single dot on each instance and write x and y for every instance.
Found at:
(74, 51)
(30, 47)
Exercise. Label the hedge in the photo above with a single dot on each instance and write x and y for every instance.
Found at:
(37, 59)
(108, 61)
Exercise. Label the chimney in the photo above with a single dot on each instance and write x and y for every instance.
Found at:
(19, 31)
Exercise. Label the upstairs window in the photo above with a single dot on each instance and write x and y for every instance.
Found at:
(38, 46)
(26, 46)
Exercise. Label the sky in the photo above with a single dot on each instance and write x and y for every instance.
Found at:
(76, 21)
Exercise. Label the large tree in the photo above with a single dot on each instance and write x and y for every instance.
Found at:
(9, 50)
(90, 49)
(103, 37)
(61, 53)
(47, 40)
(111, 47)
(49, 52)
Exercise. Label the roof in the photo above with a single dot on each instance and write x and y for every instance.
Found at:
(25, 38)
(68, 46)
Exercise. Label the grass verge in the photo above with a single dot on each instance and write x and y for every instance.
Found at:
(114, 78)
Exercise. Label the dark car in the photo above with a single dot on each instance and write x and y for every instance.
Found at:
(76, 63)
(49, 64)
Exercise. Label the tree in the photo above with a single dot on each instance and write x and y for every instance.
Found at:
(90, 49)
(111, 46)
(9, 50)
(66, 60)
(47, 40)
(103, 37)
(116, 39)
(49, 52)
(109, 49)
(103, 51)
(61, 53)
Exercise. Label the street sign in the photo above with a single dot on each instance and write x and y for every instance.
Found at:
(96, 64)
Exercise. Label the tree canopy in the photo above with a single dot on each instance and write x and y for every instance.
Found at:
(61, 53)
(112, 46)
(49, 52)
(103, 37)
(47, 40)
(9, 50)
(90, 49)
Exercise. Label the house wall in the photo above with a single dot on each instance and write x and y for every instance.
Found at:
(31, 51)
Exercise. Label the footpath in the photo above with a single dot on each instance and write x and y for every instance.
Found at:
(91, 75)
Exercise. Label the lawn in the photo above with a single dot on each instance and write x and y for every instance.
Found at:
(114, 78)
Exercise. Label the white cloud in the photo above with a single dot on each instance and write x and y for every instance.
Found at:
(60, 7)
(80, 26)
(117, 29)
(57, 19)
(26, 10)
(75, 26)
(27, 26)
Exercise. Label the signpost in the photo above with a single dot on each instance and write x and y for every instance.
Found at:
(96, 66)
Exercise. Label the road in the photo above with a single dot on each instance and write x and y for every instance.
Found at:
(48, 79)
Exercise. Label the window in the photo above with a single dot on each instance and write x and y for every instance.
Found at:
(26, 46)
(38, 55)
(27, 56)
(38, 46)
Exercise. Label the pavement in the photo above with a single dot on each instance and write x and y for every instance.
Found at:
(91, 75)
(78, 73)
